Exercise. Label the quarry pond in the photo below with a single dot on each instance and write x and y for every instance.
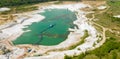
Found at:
(50, 31)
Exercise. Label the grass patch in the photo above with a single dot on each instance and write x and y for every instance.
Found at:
(20, 9)
(14, 10)
(114, 6)
(17, 9)
(109, 34)
(75, 57)
(89, 15)
(111, 48)
(84, 36)
(58, 2)
(82, 40)
(106, 19)
(108, 50)
(98, 28)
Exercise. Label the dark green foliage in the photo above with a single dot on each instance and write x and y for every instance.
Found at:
(25, 2)
(67, 57)
(111, 48)
(110, 45)
(82, 55)
(114, 6)
(91, 56)
(108, 50)
(19, 2)
(85, 34)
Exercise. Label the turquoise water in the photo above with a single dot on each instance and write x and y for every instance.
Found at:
(62, 18)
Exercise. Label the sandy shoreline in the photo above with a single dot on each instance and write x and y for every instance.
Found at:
(73, 37)
(18, 27)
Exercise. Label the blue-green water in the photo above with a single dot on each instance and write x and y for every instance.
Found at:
(62, 18)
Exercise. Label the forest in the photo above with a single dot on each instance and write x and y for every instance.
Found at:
(23, 2)
(20, 2)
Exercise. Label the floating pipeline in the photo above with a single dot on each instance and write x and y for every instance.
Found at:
(54, 28)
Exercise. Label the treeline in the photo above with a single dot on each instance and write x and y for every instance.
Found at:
(23, 2)
(109, 50)
(20, 2)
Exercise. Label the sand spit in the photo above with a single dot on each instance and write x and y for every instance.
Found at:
(16, 28)
(4, 9)
(117, 16)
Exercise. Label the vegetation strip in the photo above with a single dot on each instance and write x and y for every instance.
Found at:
(82, 40)
(111, 48)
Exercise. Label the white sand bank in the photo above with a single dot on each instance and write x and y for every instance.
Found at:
(102, 7)
(4, 9)
(117, 16)
(72, 7)
(18, 28)
(73, 37)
